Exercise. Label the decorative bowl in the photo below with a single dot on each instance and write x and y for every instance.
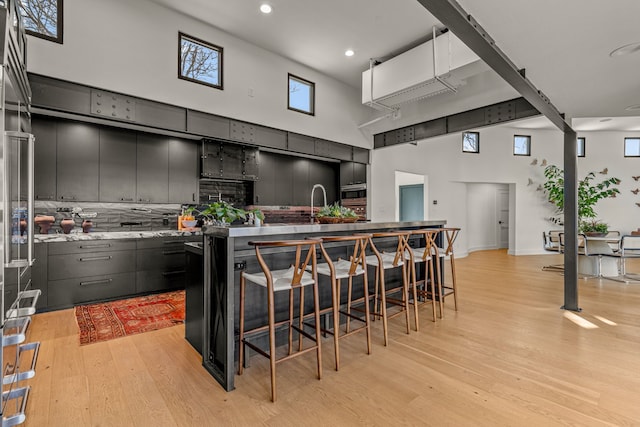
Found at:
(189, 223)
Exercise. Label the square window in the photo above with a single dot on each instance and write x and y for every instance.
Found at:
(580, 147)
(632, 147)
(301, 95)
(199, 61)
(521, 145)
(43, 18)
(470, 142)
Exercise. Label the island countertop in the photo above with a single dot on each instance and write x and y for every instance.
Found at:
(111, 235)
(282, 229)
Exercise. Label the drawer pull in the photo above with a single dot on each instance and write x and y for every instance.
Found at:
(96, 282)
(95, 246)
(96, 258)
(173, 252)
(173, 273)
(173, 242)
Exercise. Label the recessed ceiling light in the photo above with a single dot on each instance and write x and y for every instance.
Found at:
(626, 50)
(265, 8)
(633, 107)
(349, 52)
(605, 120)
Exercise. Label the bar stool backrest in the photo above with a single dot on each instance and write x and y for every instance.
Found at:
(299, 265)
(451, 233)
(357, 257)
(403, 244)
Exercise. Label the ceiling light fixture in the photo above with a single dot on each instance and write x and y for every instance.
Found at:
(265, 8)
(633, 107)
(349, 52)
(626, 50)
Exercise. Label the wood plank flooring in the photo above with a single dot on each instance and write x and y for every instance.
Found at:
(509, 357)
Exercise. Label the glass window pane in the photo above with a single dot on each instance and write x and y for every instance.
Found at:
(301, 95)
(521, 145)
(42, 18)
(632, 147)
(200, 61)
(581, 147)
(470, 142)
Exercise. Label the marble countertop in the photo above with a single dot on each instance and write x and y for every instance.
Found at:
(275, 229)
(110, 235)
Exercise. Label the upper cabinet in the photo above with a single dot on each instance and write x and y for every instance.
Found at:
(77, 162)
(45, 158)
(152, 169)
(183, 171)
(222, 160)
(117, 165)
(353, 173)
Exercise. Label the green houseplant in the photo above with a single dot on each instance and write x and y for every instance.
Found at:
(223, 213)
(589, 194)
(335, 213)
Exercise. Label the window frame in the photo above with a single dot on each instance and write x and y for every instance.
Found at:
(625, 145)
(59, 25)
(528, 154)
(477, 134)
(584, 146)
(312, 100)
(208, 45)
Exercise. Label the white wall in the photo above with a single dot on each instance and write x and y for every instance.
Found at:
(131, 46)
(448, 171)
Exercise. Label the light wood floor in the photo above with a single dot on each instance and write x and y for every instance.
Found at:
(509, 356)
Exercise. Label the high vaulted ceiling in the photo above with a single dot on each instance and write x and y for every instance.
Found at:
(563, 45)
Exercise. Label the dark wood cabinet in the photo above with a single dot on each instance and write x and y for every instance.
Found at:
(44, 131)
(77, 162)
(265, 185)
(301, 195)
(152, 171)
(117, 165)
(224, 160)
(283, 182)
(183, 171)
(353, 173)
(207, 124)
(326, 174)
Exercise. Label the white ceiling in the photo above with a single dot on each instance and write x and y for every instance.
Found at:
(563, 45)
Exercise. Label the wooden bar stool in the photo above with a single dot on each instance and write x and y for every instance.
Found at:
(336, 270)
(448, 236)
(384, 261)
(423, 254)
(295, 277)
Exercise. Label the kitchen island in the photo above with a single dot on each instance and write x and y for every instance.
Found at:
(227, 252)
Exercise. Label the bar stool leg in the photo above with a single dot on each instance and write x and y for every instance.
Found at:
(383, 302)
(272, 342)
(439, 282)
(376, 294)
(241, 338)
(290, 321)
(336, 318)
(412, 271)
(405, 294)
(453, 281)
(301, 322)
(367, 313)
(432, 284)
(316, 306)
(349, 291)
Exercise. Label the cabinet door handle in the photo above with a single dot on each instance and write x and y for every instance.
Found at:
(126, 199)
(172, 273)
(173, 242)
(176, 252)
(96, 282)
(97, 258)
(108, 245)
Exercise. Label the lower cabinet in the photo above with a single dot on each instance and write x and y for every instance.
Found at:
(92, 271)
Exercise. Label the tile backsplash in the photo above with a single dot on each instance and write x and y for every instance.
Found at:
(112, 216)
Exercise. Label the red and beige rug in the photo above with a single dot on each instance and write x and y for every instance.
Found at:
(105, 321)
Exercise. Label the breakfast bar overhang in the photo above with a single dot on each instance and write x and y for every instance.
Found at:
(227, 252)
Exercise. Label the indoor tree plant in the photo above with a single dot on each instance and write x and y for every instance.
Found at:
(589, 194)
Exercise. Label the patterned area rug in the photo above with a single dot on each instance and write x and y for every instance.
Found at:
(105, 321)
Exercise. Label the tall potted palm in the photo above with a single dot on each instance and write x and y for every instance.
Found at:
(589, 194)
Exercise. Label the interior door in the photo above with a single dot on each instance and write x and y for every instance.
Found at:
(502, 213)
(412, 202)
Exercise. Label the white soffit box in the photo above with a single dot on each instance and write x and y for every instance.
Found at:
(410, 76)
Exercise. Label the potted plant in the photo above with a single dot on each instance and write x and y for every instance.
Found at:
(331, 214)
(589, 194)
(594, 228)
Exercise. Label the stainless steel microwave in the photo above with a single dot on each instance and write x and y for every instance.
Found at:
(354, 191)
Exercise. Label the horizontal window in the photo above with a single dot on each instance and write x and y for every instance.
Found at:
(199, 61)
(43, 18)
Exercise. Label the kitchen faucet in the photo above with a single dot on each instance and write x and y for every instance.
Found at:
(324, 194)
